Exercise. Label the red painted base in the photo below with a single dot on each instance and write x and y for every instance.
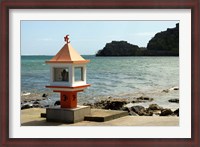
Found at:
(68, 99)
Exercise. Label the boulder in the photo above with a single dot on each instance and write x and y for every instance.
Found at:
(114, 105)
(166, 112)
(166, 90)
(142, 99)
(154, 107)
(111, 103)
(44, 95)
(174, 100)
(46, 106)
(155, 112)
(26, 106)
(36, 102)
(176, 112)
(145, 98)
(99, 104)
(88, 104)
(129, 110)
(175, 88)
(57, 103)
(37, 106)
(140, 110)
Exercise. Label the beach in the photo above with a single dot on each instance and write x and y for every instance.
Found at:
(139, 109)
(31, 117)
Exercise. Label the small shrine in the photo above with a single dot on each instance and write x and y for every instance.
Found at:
(67, 77)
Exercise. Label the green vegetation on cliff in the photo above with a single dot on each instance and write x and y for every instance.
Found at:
(118, 48)
(165, 43)
(166, 40)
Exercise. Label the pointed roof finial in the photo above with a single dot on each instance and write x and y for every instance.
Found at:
(66, 38)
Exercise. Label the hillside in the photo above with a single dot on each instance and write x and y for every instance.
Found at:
(118, 48)
(165, 43)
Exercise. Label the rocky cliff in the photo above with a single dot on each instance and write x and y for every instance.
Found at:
(164, 43)
(118, 48)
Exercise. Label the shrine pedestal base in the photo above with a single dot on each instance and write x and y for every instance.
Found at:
(67, 115)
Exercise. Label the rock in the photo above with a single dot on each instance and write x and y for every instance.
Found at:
(114, 105)
(57, 103)
(26, 106)
(44, 95)
(100, 104)
(36, 102)
(129, 110)
(37, 106)
(25, 94)
(166, 90)
(88, 104)
(111, 103)
(126, 109)
(136, 101)
(170, 89)
(145, 98)
(132, 113)
(118, 48)
(140, 110)
(174, 100)
(155, 112)
(166, 42)
(176, 88)
(142, 99)
(149, 113)
(166, 112)
(176, 112)
(154, 107)
(46, 106)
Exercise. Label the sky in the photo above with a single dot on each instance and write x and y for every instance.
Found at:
(87, 37)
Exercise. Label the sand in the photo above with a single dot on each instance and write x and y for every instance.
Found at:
(31, 117)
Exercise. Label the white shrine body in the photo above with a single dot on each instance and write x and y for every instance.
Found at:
(67, 74)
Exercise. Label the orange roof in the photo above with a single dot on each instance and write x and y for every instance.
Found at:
(68, 55)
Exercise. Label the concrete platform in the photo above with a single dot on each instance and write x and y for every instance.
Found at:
(100, 115)
(31, 117)
(67, 115)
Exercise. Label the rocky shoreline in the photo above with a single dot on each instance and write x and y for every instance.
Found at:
(135, 110)
(134, 106)
(32, 100)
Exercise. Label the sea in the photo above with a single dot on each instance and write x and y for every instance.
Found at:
(117, 77)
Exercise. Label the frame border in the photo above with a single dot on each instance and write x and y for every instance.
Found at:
(5, 5)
